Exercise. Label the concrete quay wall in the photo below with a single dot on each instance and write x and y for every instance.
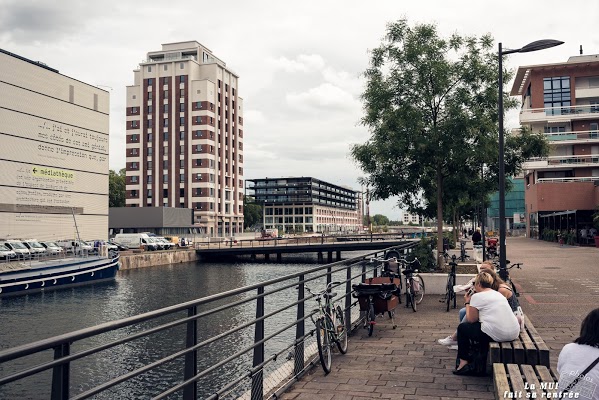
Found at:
(153, 258)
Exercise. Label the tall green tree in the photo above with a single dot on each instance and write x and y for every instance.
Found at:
(431, 108)
(380, 220)
(116, 188)
(252, 212)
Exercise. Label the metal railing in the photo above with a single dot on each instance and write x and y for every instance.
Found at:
(297, 241)
(269, 344)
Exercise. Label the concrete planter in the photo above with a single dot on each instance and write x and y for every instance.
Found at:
(435, 283)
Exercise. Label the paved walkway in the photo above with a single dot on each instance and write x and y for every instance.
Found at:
(559, 286)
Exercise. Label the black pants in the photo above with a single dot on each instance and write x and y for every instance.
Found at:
(467, 334)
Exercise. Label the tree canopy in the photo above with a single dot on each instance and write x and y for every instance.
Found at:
(116, 188)
(431, 108)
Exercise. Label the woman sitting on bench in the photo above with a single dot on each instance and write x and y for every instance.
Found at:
(489, 317)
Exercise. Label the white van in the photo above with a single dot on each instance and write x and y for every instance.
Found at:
(136, 240)
(75, 246)
(52, 248)
(6, 253)
(35, 248)
(18, 247)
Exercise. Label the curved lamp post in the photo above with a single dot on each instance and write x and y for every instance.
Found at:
(533, 46)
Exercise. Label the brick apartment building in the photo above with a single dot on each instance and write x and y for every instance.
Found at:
(185, 137)
(562, 101)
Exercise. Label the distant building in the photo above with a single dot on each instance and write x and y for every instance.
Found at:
(162, 221)
(307, 204)
(407, 218)
(561, 100)
(53, 153)
(185, 137)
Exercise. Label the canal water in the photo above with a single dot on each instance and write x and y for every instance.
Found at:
(38, 316)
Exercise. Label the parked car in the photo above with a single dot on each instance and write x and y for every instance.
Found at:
(119, 246)
(75, 246)
(166, 244)
(97, 243)
(6, 253)
(35, 248)
(52, 248)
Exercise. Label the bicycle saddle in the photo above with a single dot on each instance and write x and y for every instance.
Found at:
(329, 295)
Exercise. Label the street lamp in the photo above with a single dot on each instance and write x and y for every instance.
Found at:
(533, 46)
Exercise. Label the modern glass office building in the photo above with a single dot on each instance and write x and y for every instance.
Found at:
(305, 204)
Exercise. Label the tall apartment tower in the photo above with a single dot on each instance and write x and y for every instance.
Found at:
(185, 137)
(561, 100)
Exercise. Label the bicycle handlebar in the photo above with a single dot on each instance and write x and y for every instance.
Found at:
(326, 290)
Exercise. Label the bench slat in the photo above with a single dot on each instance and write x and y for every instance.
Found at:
(494, 353)
(543, 350)
(529, 348)
(531, 379)
(519, 356)
(506, 352)
(515, 378)
(500, 381)
(545, 374)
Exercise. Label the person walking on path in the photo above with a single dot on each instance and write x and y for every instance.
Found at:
(477, 237)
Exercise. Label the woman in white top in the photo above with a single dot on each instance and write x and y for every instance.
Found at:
(489, 317)
(576, 357)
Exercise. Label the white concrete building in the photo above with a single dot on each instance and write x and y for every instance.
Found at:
(53, 153)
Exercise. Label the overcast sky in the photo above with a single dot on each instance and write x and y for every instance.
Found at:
(299, 63)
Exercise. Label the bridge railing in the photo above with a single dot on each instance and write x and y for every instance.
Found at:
(249, 343)
(296, 241)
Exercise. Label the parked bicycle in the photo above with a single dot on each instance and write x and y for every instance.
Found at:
(376, 298)
(330, 326)
(414, 283)
(450, 295)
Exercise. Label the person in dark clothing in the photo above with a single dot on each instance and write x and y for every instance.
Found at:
(477, 238)
(465, 233)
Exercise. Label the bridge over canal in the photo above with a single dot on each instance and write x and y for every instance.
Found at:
(321, 246)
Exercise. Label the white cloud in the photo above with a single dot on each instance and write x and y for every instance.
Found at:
(302, 63)
(254, 117)
(324, 97)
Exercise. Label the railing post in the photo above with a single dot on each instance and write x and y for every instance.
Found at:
(60, 374)
(363, 272)
(190, 392)
(299, 330)
(329, 273)
(348, 300)
(257, 378)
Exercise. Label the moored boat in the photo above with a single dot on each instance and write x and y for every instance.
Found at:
(22, 277)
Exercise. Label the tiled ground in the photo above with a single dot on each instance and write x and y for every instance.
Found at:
(559, 286)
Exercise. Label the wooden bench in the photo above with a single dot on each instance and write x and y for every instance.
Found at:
(511, 381)
(529, 349)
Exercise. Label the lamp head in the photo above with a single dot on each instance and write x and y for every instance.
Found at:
(540, 45)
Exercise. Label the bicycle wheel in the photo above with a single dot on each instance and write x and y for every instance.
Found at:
(341, 331)
(418, 288)
(371, 316)
(324, 348)
(449, 294)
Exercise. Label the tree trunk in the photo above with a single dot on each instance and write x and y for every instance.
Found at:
(439, 217)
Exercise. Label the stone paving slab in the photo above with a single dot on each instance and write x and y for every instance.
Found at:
(559, 286)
